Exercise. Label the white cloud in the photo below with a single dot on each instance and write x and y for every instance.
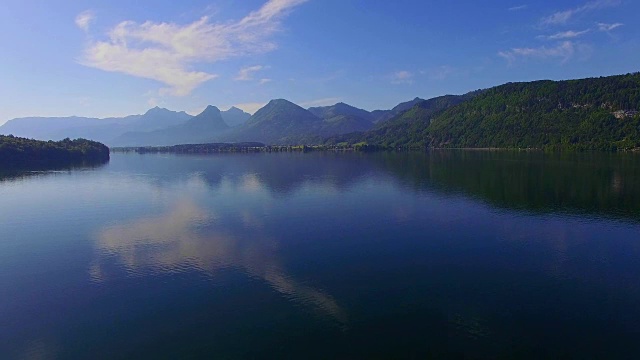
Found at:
(564, 50)
(402, 77)
(84, 19)
(168, 52)
(264, 81)
(320, 102)
(246, 74)
(567, 34)
(519, 7)
(561, 17)
(608, 27)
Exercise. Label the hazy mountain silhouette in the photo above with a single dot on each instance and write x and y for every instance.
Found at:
(204, 127)
(234, 116)
(103, 130)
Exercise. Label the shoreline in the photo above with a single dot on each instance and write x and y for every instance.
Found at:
(257, 147)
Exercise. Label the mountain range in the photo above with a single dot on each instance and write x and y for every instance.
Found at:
(596, 113)
(198, 129)
(278, 122)
(115, 130)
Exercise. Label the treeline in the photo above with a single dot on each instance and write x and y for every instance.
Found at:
(16, 152)
(587, 114)
(246, 147)
(195, 148)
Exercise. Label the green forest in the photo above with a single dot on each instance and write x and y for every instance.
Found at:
(18, 152)
(586, 114)
(407, 129)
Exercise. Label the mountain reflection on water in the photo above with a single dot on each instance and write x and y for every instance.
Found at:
(579, 183)
(602, 184)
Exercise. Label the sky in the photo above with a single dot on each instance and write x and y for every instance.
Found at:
(105, 58)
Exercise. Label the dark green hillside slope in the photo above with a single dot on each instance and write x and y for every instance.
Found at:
(21, 152)
(343, 124)
(597, 113)
(409, 128)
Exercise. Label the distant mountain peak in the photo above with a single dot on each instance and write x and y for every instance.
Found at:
(210, 109)
(282, 104)
(343, 105)
(210, 119)
(341, 108)
(277, 121)
(157, 110)
(280, 101)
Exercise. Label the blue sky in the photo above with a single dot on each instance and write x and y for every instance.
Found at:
(113, 58)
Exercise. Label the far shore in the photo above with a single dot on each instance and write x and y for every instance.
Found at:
(361, 147)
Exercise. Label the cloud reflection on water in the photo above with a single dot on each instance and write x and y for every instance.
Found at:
(189, 238)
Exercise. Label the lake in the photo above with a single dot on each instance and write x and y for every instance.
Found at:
(457, 254)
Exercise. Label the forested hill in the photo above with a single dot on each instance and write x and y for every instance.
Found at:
(409, 128)
(597, 113)
(18, 152)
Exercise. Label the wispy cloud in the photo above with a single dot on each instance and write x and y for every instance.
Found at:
(402, 77)
(246, 74)
(518, 8)
(562, 17)
(320, 102)
(168, 52)
(264, 81)
(440, 72)
(570, 34)
(608, 27)
(564, 50)
(84, 19)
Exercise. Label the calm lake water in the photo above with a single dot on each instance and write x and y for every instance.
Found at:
(321, 255)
